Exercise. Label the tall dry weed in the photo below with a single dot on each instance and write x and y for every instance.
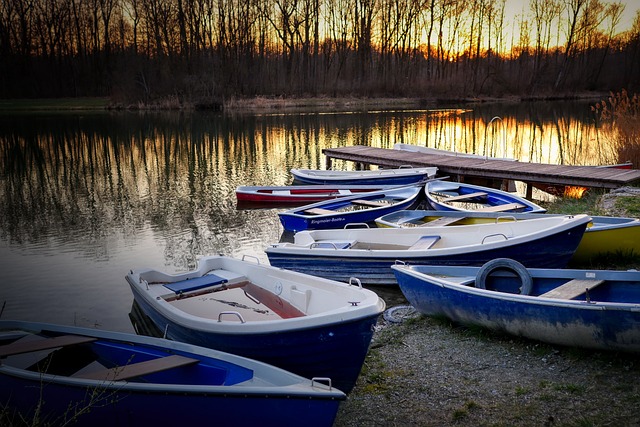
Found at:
(620, 117)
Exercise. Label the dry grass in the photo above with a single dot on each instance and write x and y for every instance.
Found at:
(263, 104)
(620, 117)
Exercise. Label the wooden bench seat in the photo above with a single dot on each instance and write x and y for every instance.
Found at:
(465, 196)
(425, 242)
(572, 289)
(319, 211)
(20, 347)
(443, 220)
(370, 203)
(502, 208)
(125, 372)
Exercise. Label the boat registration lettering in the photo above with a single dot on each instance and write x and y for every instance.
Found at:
(325, 220)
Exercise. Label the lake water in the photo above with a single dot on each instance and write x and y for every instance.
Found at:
(88, 196)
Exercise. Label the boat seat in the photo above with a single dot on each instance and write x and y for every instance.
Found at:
(370, 203)
(572, 289)
(133, 370)
(300, 299)
(502, 208)
(319, 211)
(443, 220)
(20, 347)
(465, 196)
(333, 245)
(424, 242)
(195, 283)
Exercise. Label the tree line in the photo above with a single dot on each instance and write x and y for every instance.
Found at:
(206, 50)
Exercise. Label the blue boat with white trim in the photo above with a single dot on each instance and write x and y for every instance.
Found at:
(459, 196)
(355, 209)
(548, 241)
(595, 309)
(401, 176)
(307, 325)
(65, 375)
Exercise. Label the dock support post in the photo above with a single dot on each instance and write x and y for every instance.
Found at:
(529, 191)
(327, 162)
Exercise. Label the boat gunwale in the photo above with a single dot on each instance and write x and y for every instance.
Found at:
(369, 306)
(292, 386)
(307, 250)
(443, 282)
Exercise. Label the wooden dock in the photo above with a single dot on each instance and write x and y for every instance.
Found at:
(458, 168)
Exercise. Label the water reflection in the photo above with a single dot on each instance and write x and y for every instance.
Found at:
(86, 197)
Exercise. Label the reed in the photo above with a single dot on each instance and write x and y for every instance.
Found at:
(620, 118)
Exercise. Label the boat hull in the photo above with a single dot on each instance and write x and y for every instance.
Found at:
(395, 177)
(612, 237)
(576, 323)
(335, 351)
(260, 394)
(340, 212)
(250, 196)
(370, 267)
(605, 236)
(436, 193)
(303, 324)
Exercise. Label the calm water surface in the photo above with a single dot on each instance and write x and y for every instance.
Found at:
(88, 196)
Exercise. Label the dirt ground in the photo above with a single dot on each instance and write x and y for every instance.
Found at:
(428, 372)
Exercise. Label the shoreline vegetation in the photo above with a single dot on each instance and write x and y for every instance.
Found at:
(209, 51)
(279, 104)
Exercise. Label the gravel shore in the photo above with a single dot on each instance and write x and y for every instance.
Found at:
(428, 372)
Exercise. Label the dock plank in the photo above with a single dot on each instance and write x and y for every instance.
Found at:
(585, 176)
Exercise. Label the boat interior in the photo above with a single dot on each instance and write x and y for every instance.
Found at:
(226, 296)
(91, 358)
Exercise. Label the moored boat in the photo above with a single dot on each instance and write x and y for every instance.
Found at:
(548, 241)
(597, 309)
(451, 196)
(62, 375)
(605, 235)
(298, 194)
(400, 176)
(359, 208)
(307, 325)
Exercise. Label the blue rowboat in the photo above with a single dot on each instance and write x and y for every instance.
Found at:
(310, 326)
(548, 241)
(401, 176)
(458, 196)
(359, 208)
(63, 375)
(596, 309)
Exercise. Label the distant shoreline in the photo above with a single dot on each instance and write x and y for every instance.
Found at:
(264, 104)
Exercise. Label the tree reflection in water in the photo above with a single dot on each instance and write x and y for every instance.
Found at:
(91, 195)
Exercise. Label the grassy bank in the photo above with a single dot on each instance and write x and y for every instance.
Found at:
(54, 104)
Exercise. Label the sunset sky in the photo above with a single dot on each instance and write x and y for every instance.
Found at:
(518, 7)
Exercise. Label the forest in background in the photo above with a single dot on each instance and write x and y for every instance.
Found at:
(205, 51)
